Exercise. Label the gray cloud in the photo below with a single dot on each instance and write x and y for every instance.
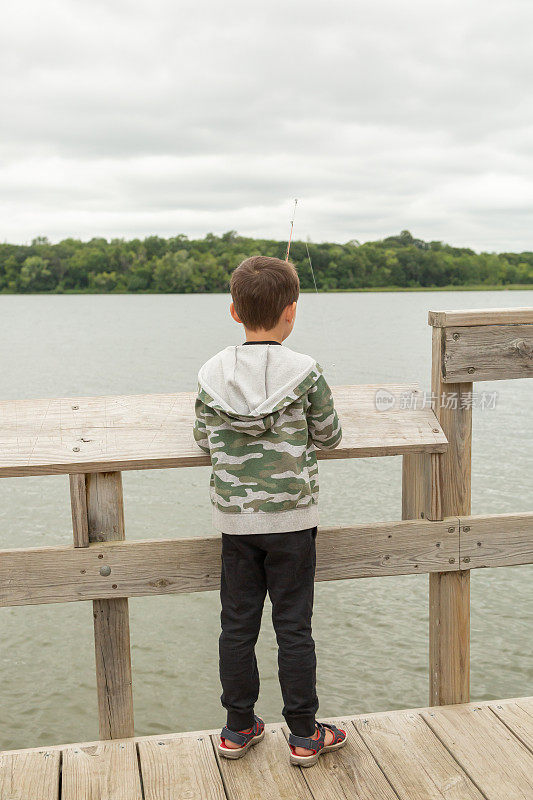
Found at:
(131, 118)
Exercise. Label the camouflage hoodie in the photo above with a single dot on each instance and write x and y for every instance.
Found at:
(261, 410)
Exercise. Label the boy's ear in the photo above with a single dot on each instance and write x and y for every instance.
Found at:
(234, 313)
(291, 311)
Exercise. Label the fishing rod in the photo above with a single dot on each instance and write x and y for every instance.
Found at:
(306, 245)
(292, 227)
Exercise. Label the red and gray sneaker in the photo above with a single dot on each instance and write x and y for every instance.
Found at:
(245, 740)
(318, 746)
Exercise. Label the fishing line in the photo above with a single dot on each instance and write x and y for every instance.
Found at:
(321, 310)
(311, 265)
(322, 317)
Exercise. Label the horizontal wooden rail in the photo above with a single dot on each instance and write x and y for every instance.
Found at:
(172, 566)
(481, 316)
(487, 353)
(109, 434)
(483, 345)
(496, 541)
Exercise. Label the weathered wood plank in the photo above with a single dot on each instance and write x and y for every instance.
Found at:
(488, 353)
(496, 541)
(385, 548)
(105, 515)
(498, 763)
(449, 640)
(415, 762)
(173, 769)
(127, 740)
(416, 475)
(31, 775)
(113, 668)
(481, 316)
(172, 566)
(65, 574)
(105, 507)
(526, 702)
(101, 434)
(78, 505)
(349, 772)
(518, 716)
(421, 487)
(455, 416)
(434, 511)
(106, 771)
(449, 593)
(265, 773)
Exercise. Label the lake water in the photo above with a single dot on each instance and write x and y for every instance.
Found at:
(371, 634)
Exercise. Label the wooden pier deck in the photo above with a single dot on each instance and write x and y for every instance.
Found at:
(471, 751)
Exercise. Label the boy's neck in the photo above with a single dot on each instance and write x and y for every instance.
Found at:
(264, 336)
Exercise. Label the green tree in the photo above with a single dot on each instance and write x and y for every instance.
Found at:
(174, 272)
(35, 275)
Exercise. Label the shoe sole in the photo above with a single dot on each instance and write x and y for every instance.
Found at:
(239, 752)
(308, 761)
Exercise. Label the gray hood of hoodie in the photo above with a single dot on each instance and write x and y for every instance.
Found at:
(247, 382)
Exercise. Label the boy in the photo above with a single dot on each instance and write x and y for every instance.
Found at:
(260, 412)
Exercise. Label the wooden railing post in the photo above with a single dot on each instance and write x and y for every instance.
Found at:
(449, 592)
(415, 485)
(102, 502)
(78, 505)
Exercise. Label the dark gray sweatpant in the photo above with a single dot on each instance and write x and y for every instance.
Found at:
(284, 565)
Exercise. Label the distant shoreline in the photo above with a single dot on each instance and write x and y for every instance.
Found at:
(520, 287)
(179, 265)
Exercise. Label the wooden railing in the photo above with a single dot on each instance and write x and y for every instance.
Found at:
(93, 439)
(467, 346)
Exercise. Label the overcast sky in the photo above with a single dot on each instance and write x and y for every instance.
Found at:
(135, 117)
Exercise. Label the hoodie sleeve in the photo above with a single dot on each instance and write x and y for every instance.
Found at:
(199, 429)
(322, 420)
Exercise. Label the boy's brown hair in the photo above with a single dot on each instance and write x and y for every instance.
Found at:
(261, 287)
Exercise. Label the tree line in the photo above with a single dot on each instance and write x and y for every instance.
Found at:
(180, 264)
